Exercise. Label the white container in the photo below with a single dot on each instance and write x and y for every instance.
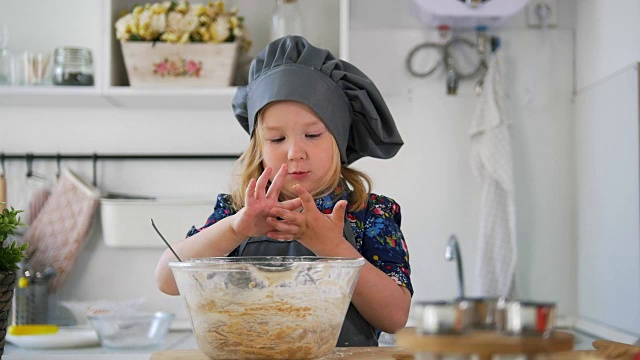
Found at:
(179, 65)
(465, 14)
(127, 223)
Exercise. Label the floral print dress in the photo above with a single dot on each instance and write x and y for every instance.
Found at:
(376, 228)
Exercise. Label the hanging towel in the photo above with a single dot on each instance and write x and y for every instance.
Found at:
(491, 163)
(57, 234)
(34, 195)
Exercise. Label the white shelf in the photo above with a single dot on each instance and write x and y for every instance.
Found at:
(66, 96)
(172, 98)
(327, 26)
(119, 96)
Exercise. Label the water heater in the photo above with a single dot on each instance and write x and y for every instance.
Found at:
(465, 13)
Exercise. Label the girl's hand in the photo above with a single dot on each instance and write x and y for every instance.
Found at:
(251, 221)
(320, 233)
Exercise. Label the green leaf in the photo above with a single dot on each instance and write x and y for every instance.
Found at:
(12, 253)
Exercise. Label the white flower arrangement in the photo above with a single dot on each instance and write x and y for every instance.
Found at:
(181, 22)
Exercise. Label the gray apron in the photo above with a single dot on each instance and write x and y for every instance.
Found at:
(356, 331)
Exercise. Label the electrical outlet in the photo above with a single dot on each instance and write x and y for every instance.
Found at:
(537, 10)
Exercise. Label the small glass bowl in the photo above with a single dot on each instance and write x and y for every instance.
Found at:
(132, 331)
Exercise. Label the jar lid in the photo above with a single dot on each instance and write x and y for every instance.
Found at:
(73, 55)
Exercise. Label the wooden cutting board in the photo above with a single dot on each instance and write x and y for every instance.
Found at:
(354, 353)
(483, 343)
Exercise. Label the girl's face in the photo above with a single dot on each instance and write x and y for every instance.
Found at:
(293, 134)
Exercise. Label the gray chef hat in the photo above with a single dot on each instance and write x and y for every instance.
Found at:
(346, 100)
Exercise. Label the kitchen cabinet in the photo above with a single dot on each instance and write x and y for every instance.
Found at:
(90, 24)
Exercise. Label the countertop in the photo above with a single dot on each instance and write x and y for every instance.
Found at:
(176, 340)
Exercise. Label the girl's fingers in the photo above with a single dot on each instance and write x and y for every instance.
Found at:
(283, 226)
(305, 197)
(249, 194)
(261, 184)
(290, 216)
(276, 185)
(291, 205)
(337, 215)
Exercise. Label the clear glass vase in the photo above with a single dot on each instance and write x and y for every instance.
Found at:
(5, 57)
(286, 19)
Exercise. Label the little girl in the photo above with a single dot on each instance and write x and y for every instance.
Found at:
(310, 115)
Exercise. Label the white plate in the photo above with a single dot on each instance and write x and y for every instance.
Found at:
(64, 338)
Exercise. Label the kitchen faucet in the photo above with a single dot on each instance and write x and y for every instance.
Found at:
(452, 253)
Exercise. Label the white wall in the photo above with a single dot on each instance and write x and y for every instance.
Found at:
(436, 188)
(607, 34)
(607, 157)
(430, 177)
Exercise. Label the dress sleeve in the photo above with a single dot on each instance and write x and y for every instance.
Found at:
(222, 209)
(383, 243)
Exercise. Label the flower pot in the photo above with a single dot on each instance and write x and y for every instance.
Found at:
(179, 65)
(7, 284)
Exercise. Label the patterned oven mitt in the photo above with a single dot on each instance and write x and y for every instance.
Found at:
(57, 234)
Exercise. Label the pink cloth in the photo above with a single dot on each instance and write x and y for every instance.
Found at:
(38, 199)
(58, 232)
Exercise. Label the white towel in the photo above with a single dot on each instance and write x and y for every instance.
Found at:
(491, 163)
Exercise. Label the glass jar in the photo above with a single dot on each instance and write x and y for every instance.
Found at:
(73, 66)
(5, 58)
(286, 19)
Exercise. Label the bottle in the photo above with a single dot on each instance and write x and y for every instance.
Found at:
(5, 57)
(286, 19)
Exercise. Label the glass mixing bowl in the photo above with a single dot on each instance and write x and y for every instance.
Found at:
(267, 307)
(132, 331)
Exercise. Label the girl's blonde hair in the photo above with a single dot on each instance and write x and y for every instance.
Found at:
(250, 167)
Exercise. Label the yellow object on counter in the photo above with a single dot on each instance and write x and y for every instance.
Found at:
(23, 283)
(32, 329)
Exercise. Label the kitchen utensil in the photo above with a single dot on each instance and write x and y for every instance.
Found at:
(165, 240)
(65, 338)
(443, 317)
(132, 331)
(526, 318)
(241, 309)
(31, 296)
(174, 253)
(32, 329)
(484, 312)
